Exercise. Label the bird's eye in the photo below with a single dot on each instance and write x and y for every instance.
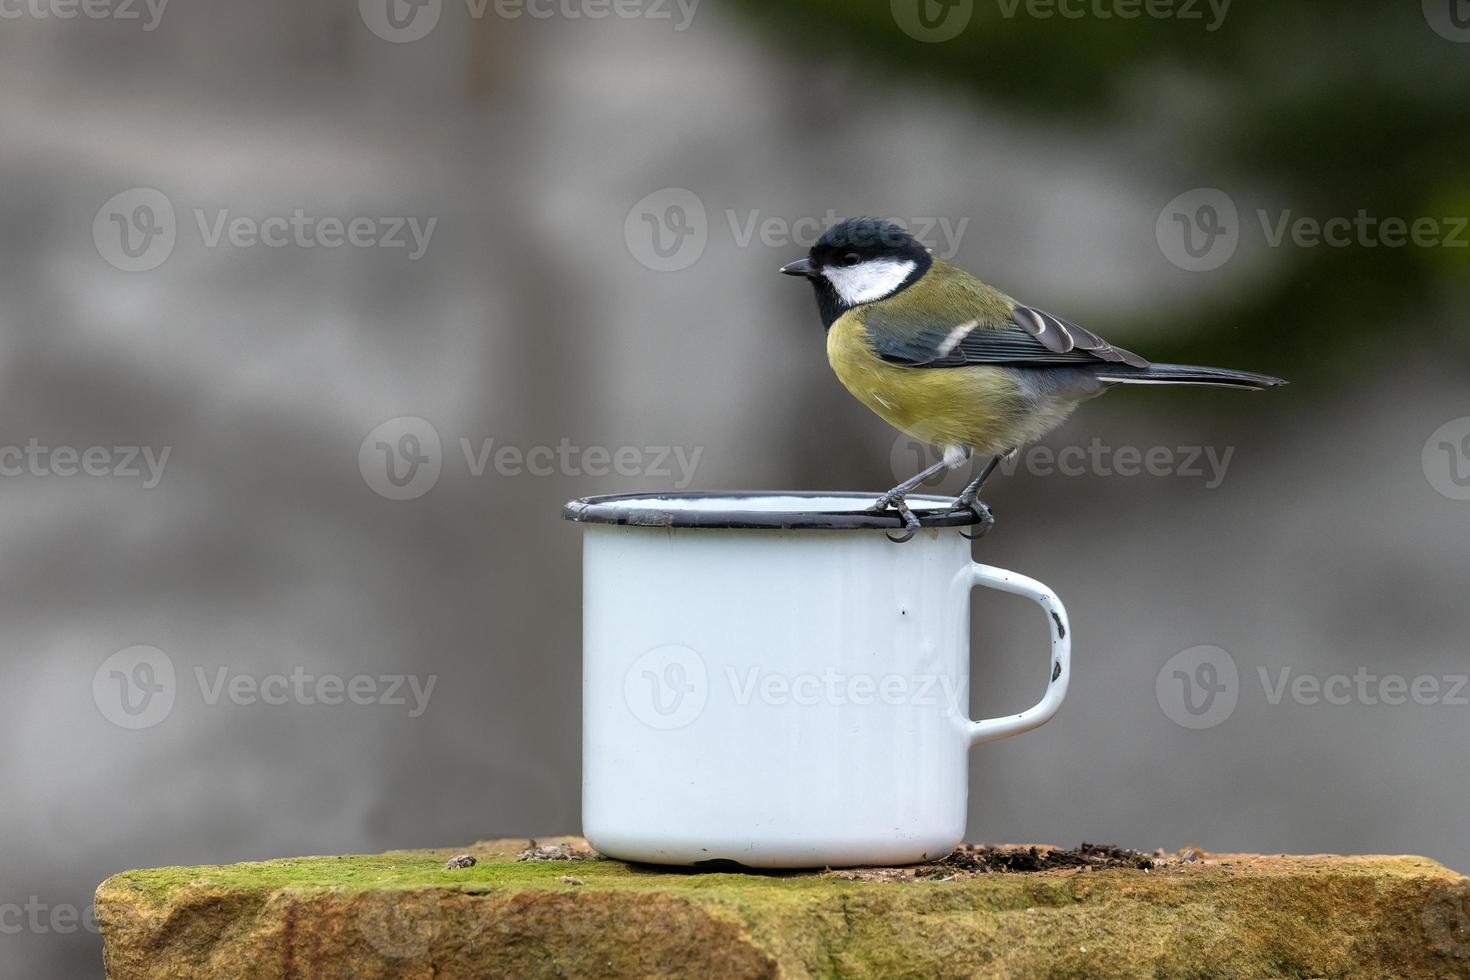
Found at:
(851, 259)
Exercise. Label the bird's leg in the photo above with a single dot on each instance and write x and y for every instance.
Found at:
(895, 498)
(970, 497)
(907, 486)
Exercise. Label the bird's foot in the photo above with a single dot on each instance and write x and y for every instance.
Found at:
(986, 519)
(905, 513)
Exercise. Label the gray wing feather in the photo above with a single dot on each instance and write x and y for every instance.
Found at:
(1029, 337)
(1058, 335)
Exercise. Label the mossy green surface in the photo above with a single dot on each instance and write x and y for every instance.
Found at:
(405, 915)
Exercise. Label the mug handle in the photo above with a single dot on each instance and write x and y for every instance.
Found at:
(1060, 663)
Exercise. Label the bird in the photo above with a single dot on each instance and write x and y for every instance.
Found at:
(955, 362)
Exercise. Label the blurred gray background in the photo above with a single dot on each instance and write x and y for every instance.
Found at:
(1067, 156)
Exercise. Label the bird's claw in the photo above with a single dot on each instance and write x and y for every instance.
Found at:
(986, 519)
(905, 513)
(910, 523)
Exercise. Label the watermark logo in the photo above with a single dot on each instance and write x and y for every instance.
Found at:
(145, 463)
(1180, 10)
(667, 687)
(1446, 459)
(41, 918)
(1450, 19)
(1199, 687)
(394, 931)
(401, 21)
(150, 12)
(1362, 230)
(908, 456)
(1363, 687)
(1198, 230)
(406, 926)
(405, 21)
(1446, 920)
(932, 21)
(401, 459)
(941, 235)
(135, 688)
(571, 460)
(837, 688)
(304, 688)
(1207, 464)
(135, 230)
(667, 230)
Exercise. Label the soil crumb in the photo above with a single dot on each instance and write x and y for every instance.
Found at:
(557, 852)
(984, 857)
(970, 860)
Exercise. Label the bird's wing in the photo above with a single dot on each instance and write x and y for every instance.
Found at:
(1025, 337)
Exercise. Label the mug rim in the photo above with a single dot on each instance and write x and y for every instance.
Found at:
(652, 509)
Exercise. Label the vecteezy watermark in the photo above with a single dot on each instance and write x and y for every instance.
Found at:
(148, 12)
(666, 687)
(1200, 230)
(1363, 686)
(137, 230)
(137, 687)
(669, 229)
(41, 918)
(1208, 464)
(933, 21)
(1445, 919)
(402, 459)
(669, 686)
(1450, 19)
(144, 463)
(401, 927)
(1211, 13)
(835, 687)
(300, 687)
(1446, 459)
(403, 21)
(1200, 687)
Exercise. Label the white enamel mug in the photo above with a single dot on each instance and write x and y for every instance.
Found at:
(769, 681)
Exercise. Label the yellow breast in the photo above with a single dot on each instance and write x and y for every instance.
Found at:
(959, 406)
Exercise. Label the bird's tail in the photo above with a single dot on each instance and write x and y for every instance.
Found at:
(1185, 374)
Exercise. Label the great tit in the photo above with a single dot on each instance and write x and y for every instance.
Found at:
(955, 362)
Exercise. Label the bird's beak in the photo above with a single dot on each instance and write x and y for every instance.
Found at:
(801, 267)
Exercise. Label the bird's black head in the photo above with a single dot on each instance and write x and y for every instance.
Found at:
(860, 260)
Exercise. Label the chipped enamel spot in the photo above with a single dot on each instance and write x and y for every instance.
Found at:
(868, 281)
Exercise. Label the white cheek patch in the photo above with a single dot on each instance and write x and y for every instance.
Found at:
(868, 281)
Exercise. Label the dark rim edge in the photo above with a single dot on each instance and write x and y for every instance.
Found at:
(606, 509)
